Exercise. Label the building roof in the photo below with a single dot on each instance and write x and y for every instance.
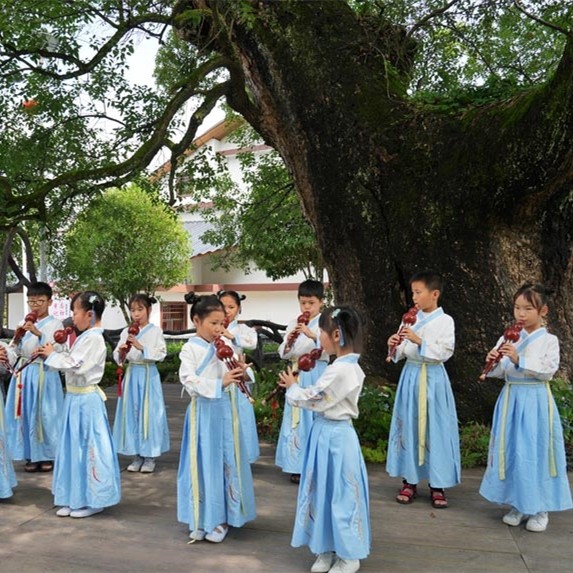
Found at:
(195, 230)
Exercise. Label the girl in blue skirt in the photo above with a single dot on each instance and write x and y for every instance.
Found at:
(240, 337)
(140, 425)
(214, 480)
(332, 514)
(86, 472)
(527, 468)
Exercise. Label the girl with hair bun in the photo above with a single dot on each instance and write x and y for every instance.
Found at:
(241, 337)
(214, 480)
(527, 468)
(140, 426)
(86, 473)
(332, 513)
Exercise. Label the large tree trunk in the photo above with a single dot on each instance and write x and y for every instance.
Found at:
(392, 188)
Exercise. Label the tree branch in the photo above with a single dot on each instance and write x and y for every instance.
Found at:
(430, 16)
(550, 25)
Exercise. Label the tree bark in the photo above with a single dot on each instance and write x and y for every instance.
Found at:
(481, 196)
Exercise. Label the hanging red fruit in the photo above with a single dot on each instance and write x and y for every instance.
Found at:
(30, 104)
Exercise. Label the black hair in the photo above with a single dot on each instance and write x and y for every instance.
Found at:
(534, 293)
(90, 300)
(145, 299)
(202, 305)
(233, 294)
(431, 279)
(349, 322)
(40, 289)
(311, 287)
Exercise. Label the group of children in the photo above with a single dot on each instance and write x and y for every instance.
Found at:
(317, 445)
(526, 464)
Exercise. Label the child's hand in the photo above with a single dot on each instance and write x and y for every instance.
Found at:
(304, 329)
(231, 376)
(287, 378)
(492, 355)
(134, 342)
(241, 362)
(410, 335)
(31, 327)
(510, 351)
(45, 350)
(227, 334)
(394, 340)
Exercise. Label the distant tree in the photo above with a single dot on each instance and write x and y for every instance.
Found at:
(125, 242)
(258, 222)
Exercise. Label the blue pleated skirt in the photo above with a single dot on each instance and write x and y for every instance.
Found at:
(441, 465)
(528, 485)
(223, 491)
(292, 439)
(34, 435)
(7, 475)
(332, 511)
(248, 427)
(86, 471)
(132, 433)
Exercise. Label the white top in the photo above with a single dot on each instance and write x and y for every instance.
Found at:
(538, 358)
(151, 338)
(243, 336)
(335, 394)
(201, 372)
(437, 331)
(84, 363)
(303, 344)
(30, 342)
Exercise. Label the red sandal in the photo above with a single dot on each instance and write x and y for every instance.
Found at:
(408, 491)
(438, 497)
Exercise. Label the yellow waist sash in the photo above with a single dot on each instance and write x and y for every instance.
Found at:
(295, 410)
(422, 407)
(86, 390)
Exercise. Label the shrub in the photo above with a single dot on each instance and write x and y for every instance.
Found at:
(474, 444)
(269, 416)
(373, 424)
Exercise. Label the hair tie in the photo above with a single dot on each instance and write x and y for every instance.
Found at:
(92, 300)
(335, 315)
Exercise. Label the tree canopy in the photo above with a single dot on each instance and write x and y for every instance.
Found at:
(125, 242)
(71, 118)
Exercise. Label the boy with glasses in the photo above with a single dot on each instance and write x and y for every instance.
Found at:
(35, 398)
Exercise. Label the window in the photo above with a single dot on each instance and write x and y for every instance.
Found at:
(174, 315)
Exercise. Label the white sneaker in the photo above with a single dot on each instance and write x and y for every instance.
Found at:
(136, 464)
(514, 517)
(345, 566)
(323, 562)
(148, 466)
(218, 534)
(85, 512)
(197, 535)
(537, 522)
(64, 511)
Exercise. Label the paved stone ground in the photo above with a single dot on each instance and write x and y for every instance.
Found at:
(142, 534)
